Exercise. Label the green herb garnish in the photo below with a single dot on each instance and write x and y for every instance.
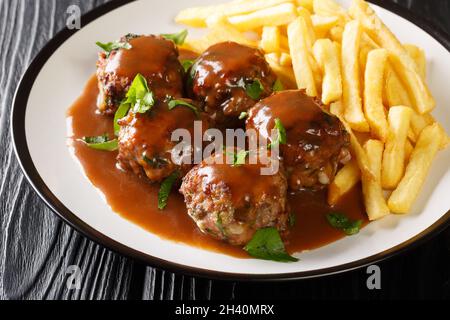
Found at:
(267, 244)
(254, 89)
(121, 112)
(101, 143)
(277, 86)
(340, 221)
(111, 46)
(177, 38)
(281, 134)
(139, 97)
(174, 102)
(219, 224)
(243, 115)
(187, 64)
(164, 190)
(239, 158)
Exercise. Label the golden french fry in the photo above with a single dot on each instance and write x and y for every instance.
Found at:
(327, 55)
(420, 121)
(270, 39)
(273, 16)
(337, 109)
(394, 153)
(196, 17)
(374, 201)
(307, 4)
(418, 55)
(285, 74)
(285, 59)
(395, 93)
(302, 12)
(402, 62)
(350, 77)
(408, 151)
(323, 24)
(373, 89)
(403, 197)
(300, 56)
(346, 178)
(329, 8)
(336, 33)
(217, 34)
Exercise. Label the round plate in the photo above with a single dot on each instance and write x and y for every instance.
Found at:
(56, 78)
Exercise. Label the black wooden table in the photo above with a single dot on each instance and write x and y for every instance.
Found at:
(36, 247)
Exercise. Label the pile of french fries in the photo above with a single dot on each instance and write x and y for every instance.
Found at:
(349, 58)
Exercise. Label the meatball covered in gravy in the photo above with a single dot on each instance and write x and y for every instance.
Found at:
(221, 75)
(152, 56)
(145, 140)
(231, 202)
(316, 140)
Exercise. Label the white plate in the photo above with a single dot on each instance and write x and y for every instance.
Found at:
(56, 78)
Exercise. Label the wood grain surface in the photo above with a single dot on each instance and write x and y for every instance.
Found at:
(36, 247)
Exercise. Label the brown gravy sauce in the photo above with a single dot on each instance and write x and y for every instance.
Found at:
(136, 200)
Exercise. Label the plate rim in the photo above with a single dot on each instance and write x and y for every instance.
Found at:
(23, 156)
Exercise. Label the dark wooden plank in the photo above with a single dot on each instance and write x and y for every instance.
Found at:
(36, 247)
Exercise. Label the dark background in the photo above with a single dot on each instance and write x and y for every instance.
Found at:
(36, 247)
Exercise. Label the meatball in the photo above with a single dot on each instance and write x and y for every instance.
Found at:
(316, 141)
(231, 202)
(152, 56)
(220, 76)
(145, 140)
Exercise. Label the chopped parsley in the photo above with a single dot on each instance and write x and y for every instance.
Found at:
(174, 103)
(177, 38)
(281, 134)
(243, 115)
(277, 86)
(254, 89)
(101, 143)
(267, 244)
(187, 64)
(111, 46)
(164, 190)
(340, 221)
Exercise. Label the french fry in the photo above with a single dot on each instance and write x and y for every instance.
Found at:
(285, 74)
(403, 197)
(273, 16)
(337, 108)
(328, 57)
(323, 24)
(394, 152)
(373, 88)
(270, 39)
(346, 178)
(336, 33)
(395, 93)
(300, 56)
(418, 55)
(351, 88)
(302, 12)
(329, 8)
(408, 151)
(420, 121)
(307, 4)
(402, 62)
(374, 201)
(196, 17)
(285, 59)
(218, 33)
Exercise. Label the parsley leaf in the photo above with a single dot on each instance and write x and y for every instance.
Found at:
(243, 115)
(267, 244)
(121, 112)
(139, 97)
(277, 86)
(281, 134)
(239, 158)
(292, 220)
(174, 102)
(187, 64)
(164, 190)
(340, 221)
(101, 143)
(177, 38)
(219, 224)
(111, 46)
(254, 89)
